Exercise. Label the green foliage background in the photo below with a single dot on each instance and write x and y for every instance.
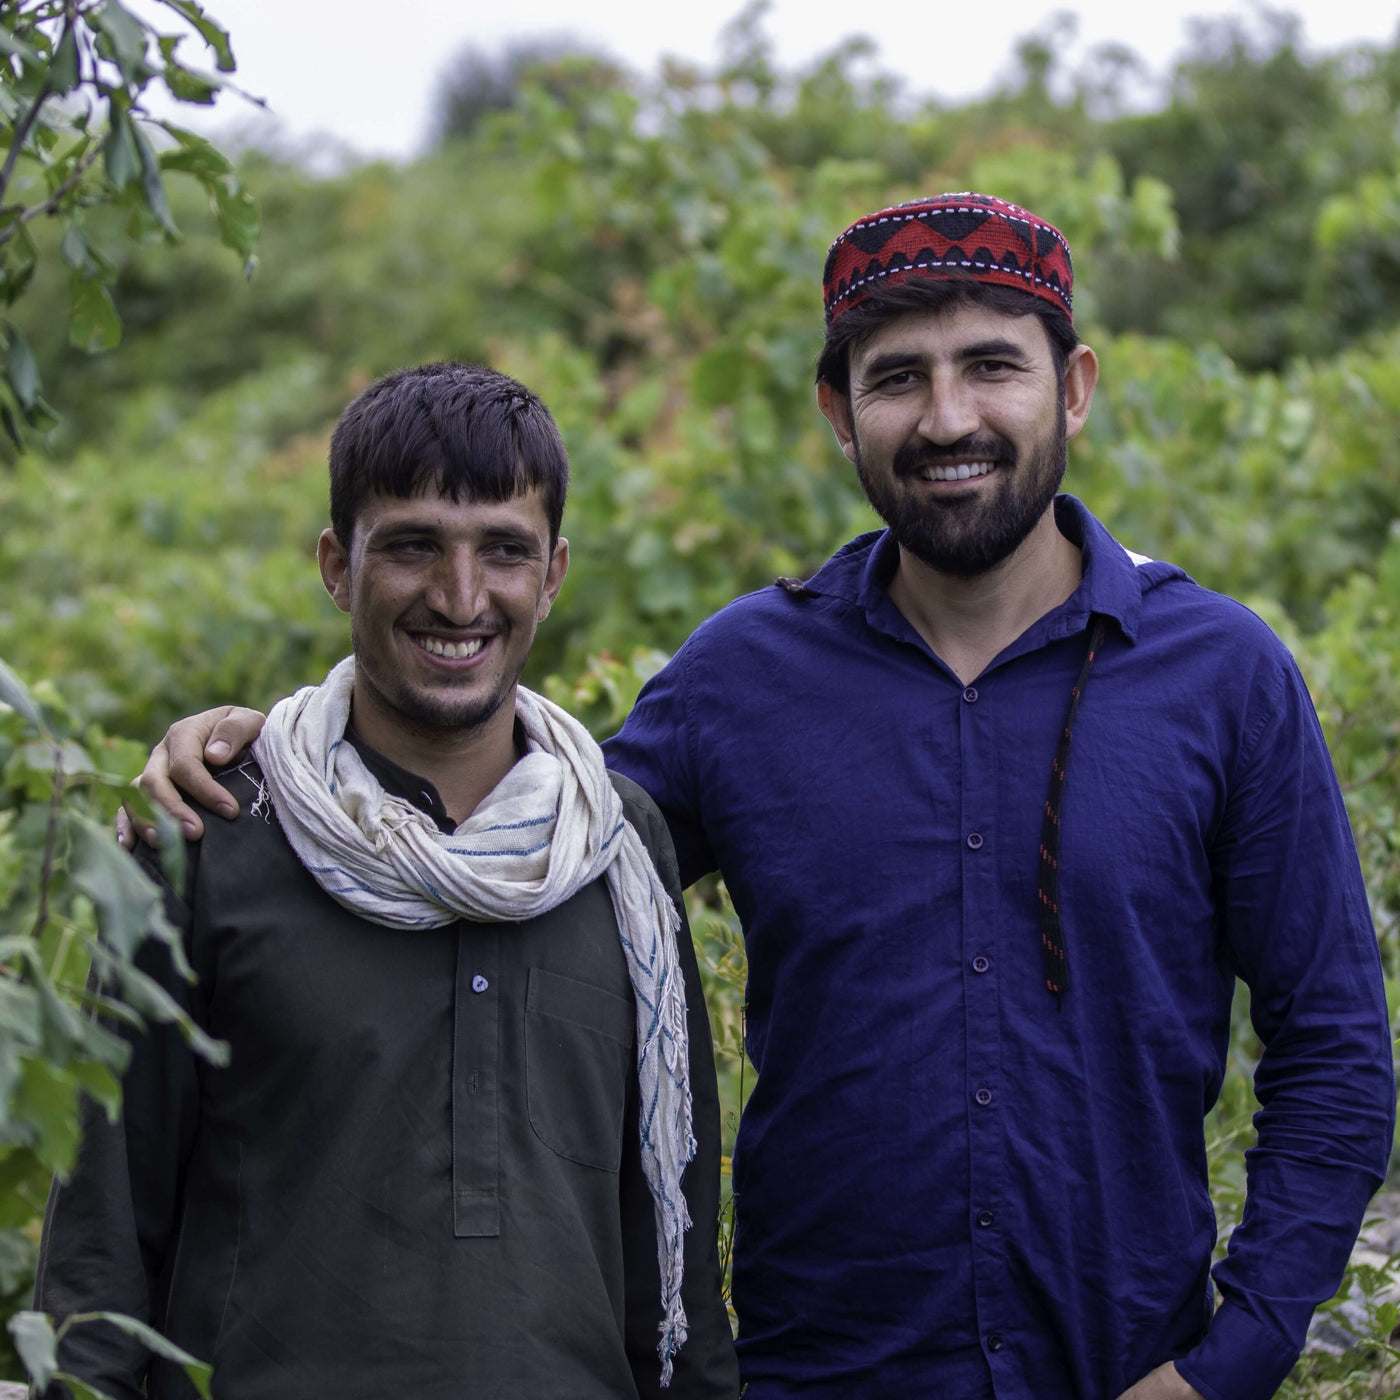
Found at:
(646, 254)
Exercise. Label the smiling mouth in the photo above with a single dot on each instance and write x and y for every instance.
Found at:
(956, 471)
(449, 651)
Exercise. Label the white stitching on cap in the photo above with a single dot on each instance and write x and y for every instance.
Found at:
(988, 267)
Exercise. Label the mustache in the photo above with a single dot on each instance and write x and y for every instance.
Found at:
(428, 621)
(916, 456)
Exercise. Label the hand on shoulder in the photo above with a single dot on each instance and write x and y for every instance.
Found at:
(182, 760)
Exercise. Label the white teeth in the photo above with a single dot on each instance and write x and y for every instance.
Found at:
(457, 650)
(963, 471)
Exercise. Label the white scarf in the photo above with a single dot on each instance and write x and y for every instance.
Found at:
(552, 825)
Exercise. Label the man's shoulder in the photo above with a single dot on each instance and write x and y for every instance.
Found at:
(645, 818)
(1173, 601)
(790, 601)
(637, 806)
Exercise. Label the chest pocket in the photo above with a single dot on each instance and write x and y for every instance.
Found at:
(578, 1064)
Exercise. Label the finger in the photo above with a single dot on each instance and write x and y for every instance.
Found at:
(233, 733)
(126, 831)
(158, 787)
(180, 759)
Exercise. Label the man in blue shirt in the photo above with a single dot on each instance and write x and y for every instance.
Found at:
(1005, 810)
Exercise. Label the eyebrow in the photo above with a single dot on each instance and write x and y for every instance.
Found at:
(982, 350)
(387, 534)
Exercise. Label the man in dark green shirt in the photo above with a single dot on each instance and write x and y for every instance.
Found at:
(445, 1158)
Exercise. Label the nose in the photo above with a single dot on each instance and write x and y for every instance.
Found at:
(457, 589)
(950, 413)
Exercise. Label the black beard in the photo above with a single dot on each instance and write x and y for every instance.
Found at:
(969, 535)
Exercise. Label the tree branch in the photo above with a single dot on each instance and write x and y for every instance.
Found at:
(50, 841)
(52, 203)
(21, 136)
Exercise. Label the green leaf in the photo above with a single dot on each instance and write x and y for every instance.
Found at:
(186, 84)
(120, 155)
(146, 995)
(93, 323)
(170, 835)
(194, 156)
(127, 901)
(240, 223)
(81, 1390)
(17, 48)
(152, 187)
(17, 264)
(16, 695)
(36, 1345)
(101, 1085)
(20, 369)
(212, 34)
(63, 68)
(127, 39)
(77, 252)
(199, 1372)
(46, 1102)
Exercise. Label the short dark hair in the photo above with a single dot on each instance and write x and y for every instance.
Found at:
(465, 430)
(885, 303)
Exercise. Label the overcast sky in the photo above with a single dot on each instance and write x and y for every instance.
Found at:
(362, 72)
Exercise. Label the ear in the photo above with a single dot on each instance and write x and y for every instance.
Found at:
(836, 409)
(553, 578)
(335, 568)
(1081, 375)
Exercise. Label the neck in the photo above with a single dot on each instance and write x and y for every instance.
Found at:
(463, 764)
(969, 621)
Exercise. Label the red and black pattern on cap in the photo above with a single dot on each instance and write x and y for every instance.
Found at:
(949, 235)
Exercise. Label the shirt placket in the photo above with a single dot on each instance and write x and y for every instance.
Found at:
(986, 1102)
(476, 1154)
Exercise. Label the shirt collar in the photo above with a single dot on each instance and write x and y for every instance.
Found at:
(399, 782)
(1111, 583)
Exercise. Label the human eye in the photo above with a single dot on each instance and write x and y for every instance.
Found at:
(409, 547)
(892, 381)
(994, 369)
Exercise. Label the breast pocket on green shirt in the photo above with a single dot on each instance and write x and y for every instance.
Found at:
(578, 1062)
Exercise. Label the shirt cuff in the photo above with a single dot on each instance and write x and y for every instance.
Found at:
(1241, 1358)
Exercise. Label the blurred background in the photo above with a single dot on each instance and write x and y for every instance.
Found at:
(629, 212)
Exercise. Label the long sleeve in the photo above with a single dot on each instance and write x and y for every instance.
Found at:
(705, 1367)
(655, 748)
(1295, 918)
(108, 1229)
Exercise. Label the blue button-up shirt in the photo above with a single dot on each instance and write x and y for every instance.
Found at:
(946, 1184)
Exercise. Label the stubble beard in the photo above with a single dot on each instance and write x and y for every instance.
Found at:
(968, 535)
(422, 710)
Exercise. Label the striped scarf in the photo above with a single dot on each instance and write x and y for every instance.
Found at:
(552, 825)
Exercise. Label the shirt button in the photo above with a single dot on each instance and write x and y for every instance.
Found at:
(974, 840)
(984, 1218)
(970, 695)
(995, 1341)
(983, 1096)
(980, 964)
(479, 983)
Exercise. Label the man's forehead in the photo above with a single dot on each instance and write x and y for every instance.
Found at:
(432, 508)
(950, 332)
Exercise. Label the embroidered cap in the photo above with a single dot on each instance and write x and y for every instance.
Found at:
(966, 235)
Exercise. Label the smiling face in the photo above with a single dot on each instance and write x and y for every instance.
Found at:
(444, 597)
(957, 423)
